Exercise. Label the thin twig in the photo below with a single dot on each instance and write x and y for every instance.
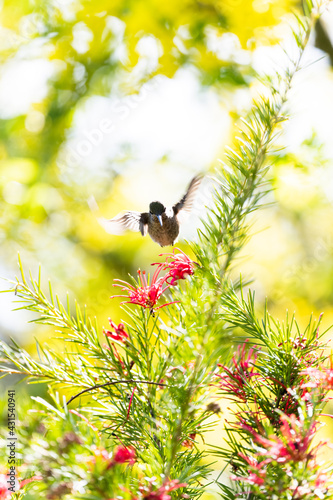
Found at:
(149, 382)
(11, 372)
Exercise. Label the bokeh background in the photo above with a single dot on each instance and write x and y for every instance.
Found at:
(123, 101)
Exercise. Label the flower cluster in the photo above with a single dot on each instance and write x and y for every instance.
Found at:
(257, 473)
(124, 455)
(234, 381)
(146, 294)
(162, 493)
(5, 493)
(121, 455)
(320, 378)
(292, 445)
(277, 415)
(150, 492)
(178, 266)
(117, 332)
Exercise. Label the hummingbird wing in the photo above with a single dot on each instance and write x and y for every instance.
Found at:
(135, 221)
(185, 205)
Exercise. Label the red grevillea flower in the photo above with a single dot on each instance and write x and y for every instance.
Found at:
(234, 381)
(293, 445)
(257, 473)
(162, 492)
(118, 332)
(123, 454)
(252, 478)
(179, 266)
(145, 295)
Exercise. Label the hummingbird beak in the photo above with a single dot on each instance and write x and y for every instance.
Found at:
(160, 219)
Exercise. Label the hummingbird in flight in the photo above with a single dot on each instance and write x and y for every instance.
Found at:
(161, 223)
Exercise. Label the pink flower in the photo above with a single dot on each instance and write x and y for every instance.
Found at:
(30, 480)
(118, 332)
(162, 492)
(179, 266)
(293, 445)
(123, 454)
(320, 377)
(256, 475)
(252, 478)
(120, 456)
(145, 295)
(321, 481)
(234, 381)
(5, 494)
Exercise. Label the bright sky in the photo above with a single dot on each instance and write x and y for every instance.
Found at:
(173, 118)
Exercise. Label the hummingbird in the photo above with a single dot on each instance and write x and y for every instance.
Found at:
(161, 223)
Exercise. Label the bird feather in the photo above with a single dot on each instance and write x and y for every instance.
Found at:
(135, 221)
(183, 208)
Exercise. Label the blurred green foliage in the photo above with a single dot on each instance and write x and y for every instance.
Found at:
(65, 452)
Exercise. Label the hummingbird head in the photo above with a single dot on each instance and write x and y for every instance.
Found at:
(157, 208)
